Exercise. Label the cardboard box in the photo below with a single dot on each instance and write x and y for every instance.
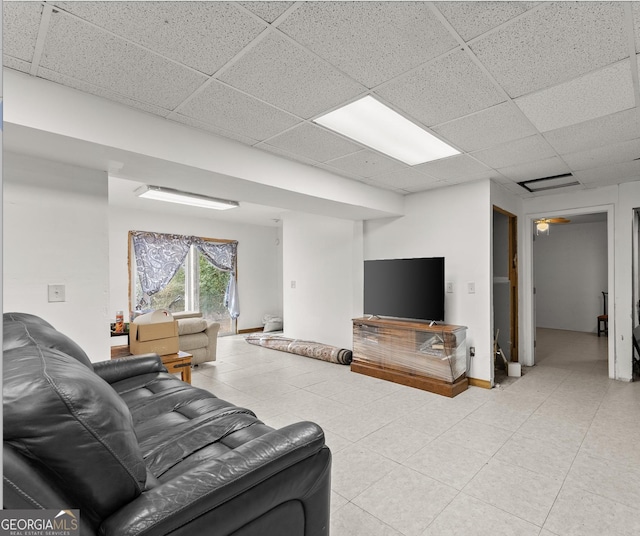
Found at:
(159, 337)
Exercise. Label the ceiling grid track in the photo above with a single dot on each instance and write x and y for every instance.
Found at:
(45, 20)
(633, 58)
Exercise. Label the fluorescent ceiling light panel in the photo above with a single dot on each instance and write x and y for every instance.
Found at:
(159, 193)
(375, 125)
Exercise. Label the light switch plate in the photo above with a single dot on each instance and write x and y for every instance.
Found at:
(56, 293)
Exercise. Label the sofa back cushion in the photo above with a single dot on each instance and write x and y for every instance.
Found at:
(72, 424)
(188, 326)
(21, 329)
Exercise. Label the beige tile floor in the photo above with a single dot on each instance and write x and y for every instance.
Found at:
(555, 452)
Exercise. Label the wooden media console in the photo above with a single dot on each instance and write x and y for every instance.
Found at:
(417, 354)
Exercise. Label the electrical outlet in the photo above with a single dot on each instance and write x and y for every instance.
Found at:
(449, 286)
(471, 287)
(56, 293)
(293, 284)
(472, 351)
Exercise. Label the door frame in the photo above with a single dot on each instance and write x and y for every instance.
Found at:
(528, 311)
(512, 222)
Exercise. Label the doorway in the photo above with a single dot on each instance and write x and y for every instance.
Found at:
(568, 268)
(505, 283)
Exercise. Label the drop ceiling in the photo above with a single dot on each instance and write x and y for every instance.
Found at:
(523, 89)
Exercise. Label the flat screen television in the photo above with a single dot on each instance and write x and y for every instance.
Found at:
(405, 288)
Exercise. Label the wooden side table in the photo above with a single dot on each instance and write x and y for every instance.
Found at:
(174, 363)
(180, 362)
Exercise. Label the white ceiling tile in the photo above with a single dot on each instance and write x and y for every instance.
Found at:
(597, 132)
(202, 35)
(453, 167)
(610, 174)
(609, 154)
(366, 164)
(343, 173)
(489, 127)
(515, 188)
(406, 179)
(190, 121)
(484, 175)
(227, 108)
(471, 19)
(100, 92)
(596, 94)
(20, 25)
(553, 44)
(87, 54)
(442, 90)
(516, 152)
(269, 11)
(535, 170)
(15, 63)
(371, 41)
(611, 182)
(291, 78)
(314, 142)
(286, 154)
(418, 189)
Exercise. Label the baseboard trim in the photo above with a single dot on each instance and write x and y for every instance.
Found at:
(485, 384)
(249, 330)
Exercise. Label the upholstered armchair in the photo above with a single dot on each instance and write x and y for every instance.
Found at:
(197, 336)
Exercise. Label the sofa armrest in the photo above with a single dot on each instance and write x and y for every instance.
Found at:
(290, 464)
(115, 370)
(212, 333)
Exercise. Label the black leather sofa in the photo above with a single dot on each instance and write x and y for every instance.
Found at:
(138, 451)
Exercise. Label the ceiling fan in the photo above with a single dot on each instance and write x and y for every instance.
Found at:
(542, 225)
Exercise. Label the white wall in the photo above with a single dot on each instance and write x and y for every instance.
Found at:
(324, 258)
(454, 223)
(259, 264)
(55, 232)
(570, 273)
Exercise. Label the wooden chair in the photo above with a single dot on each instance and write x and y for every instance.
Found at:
(603, 319)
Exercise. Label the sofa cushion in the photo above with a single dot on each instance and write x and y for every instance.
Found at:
(187, 326)
(72, 424)
(193, 341)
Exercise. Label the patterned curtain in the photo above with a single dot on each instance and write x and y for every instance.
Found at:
(159, 256)
(223, 257)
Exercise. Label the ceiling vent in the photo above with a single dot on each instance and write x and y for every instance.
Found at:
(549, 183)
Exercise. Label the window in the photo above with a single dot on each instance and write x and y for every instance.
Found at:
(183, 273)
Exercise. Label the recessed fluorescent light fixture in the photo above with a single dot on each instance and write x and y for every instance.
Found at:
(550, 183)
(375, 125)
(160, 193)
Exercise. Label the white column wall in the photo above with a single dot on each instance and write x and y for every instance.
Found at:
(323, 256)
(55, 232)
(454, 223)
(628, 201)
